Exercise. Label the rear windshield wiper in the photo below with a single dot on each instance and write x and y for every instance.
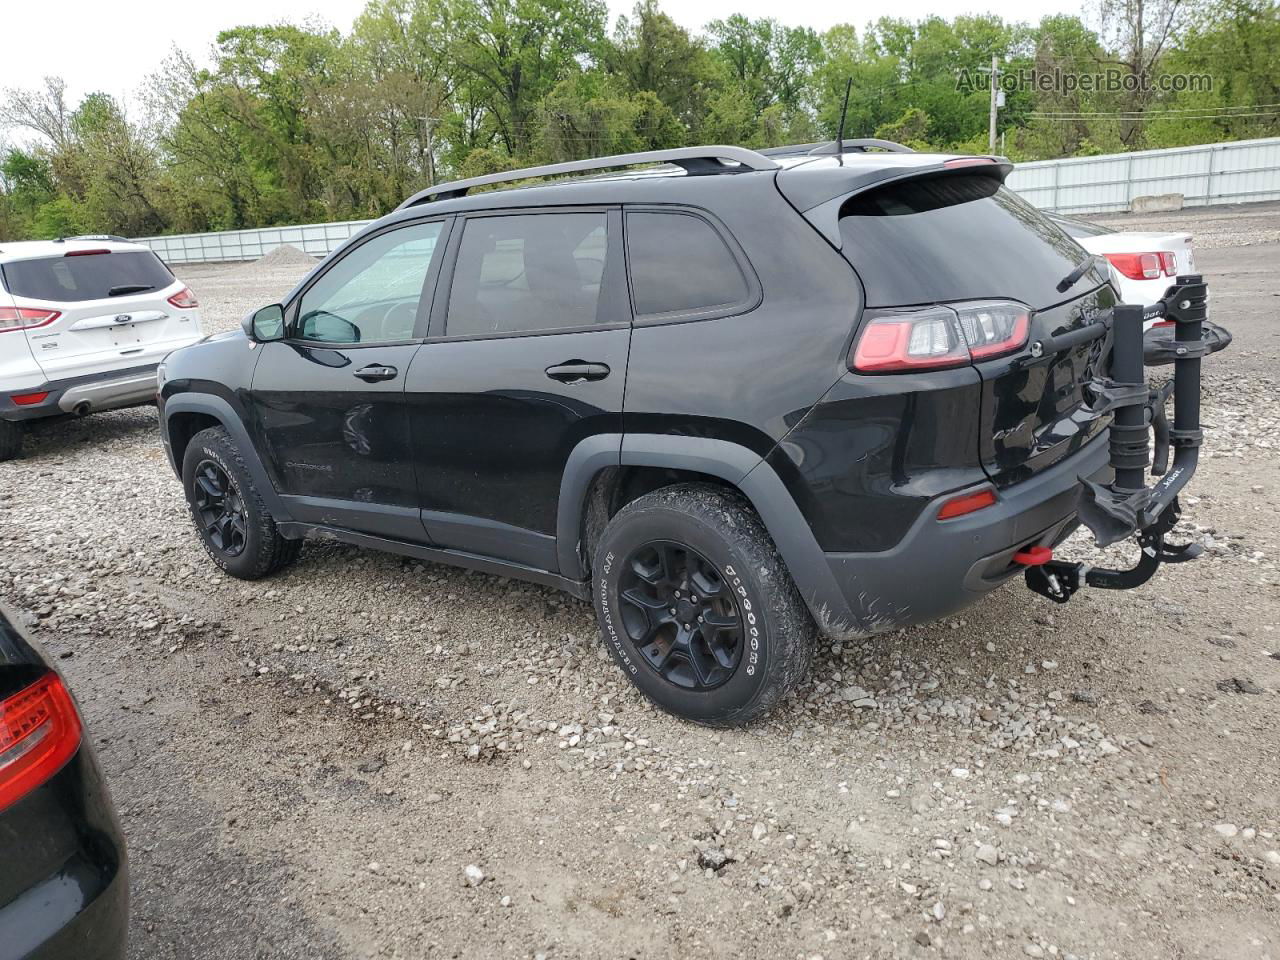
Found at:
(1069, 281)
(124, 288)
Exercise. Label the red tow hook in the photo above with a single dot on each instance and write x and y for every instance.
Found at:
(1033, 556)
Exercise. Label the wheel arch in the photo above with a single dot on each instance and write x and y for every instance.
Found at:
(187, 414)
(599, 465)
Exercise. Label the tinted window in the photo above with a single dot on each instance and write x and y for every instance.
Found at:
(956, 238)
(679, 264)
(530, 272)
(372, 294)
(87, 277)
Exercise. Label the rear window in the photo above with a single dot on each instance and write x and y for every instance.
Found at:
(93, 276)
(1079, 228)
(956, 238)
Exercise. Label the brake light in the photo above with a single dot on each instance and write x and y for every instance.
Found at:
(84, 253)
(40, 731)
(1145, 266)
(25, 318)
(29, 399)
(184, 299)
(937, 337)
(966, 503)
(967, 162)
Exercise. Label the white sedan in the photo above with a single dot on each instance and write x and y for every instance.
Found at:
(1143, 265)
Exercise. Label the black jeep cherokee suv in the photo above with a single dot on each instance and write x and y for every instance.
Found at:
(736, 398)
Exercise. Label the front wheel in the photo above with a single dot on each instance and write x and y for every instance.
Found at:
(697, 608)
(237, 530)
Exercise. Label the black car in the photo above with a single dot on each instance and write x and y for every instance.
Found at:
(737, 398)
(64, 888)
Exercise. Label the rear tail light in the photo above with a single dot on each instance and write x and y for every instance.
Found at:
(966, 503)
(25, 318)
(39, 732)
(184, 299)
(936, 337)
(1145, 266)
(29, 399)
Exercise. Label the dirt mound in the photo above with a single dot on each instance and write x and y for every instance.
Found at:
(284, 257)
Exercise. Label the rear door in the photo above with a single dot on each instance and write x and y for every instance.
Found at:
(527, 356)
(116, 308)
(960, 238)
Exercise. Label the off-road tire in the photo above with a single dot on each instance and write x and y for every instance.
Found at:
(10, 440)
(265, 551)
(777, 632)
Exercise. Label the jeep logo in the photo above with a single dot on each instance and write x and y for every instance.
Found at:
(123, 317)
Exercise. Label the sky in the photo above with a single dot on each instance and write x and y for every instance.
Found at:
(113, 47)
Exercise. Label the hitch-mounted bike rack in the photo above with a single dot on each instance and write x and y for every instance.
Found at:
(1127, 506)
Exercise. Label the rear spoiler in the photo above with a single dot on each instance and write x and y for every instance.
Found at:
(819, 194)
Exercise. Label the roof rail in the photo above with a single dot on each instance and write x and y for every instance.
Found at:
(695, 160)
(829, 147)
(94, 236)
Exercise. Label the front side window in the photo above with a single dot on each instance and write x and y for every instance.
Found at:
(680, 266)
(527, 273)
(371, 295)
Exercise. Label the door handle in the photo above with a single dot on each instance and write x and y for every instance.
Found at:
(375, 372)
(577, 371)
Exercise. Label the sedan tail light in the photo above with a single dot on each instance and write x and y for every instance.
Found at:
(25, 318)
(937, 337)
(1145, 266)
(184, 299)
(40, 731)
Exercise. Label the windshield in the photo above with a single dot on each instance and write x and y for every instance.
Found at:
(956, 237)
(86, 277)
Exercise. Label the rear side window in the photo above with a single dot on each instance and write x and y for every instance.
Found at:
(680, 265)
(956, 238)
(93, 276)
(527, 273)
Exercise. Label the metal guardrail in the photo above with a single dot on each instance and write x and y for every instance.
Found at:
(1237, 172)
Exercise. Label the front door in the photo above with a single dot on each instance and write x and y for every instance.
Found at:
(329, 398)
(528, 355)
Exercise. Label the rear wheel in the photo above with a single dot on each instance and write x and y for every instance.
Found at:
(697, 607)
(10, 439)
(237, 530)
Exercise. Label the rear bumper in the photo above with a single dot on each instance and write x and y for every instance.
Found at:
(101, 391)
(67, 871)
(942, 566)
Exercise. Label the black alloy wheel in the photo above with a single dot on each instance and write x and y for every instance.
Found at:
(681, 615)
(220, 509)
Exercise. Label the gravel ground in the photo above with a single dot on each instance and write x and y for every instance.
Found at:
(369, 757)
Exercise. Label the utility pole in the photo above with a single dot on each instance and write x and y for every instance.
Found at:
(428, 123)
(991, 130)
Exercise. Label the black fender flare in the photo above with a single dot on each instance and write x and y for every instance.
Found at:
(735, 464)
(218, 408)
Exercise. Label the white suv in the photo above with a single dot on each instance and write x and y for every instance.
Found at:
(83, 324)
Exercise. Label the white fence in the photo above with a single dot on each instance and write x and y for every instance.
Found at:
(316, 239)
(1238, 172)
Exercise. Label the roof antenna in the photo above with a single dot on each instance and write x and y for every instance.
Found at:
(843, 111)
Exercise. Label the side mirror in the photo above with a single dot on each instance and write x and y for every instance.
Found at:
(265, 325)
